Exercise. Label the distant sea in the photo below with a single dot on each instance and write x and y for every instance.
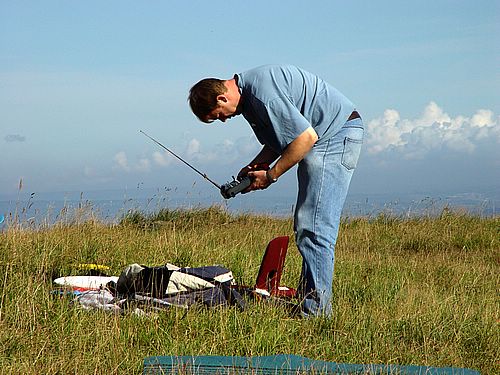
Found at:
(110, 206)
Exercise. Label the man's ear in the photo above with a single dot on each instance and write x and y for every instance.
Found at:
(222, 98)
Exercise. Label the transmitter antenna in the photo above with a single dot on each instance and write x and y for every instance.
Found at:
(204, 175)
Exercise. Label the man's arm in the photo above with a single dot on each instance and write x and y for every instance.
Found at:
(265, 156)
(293, 154)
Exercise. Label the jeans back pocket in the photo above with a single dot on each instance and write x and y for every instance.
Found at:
(350, 154)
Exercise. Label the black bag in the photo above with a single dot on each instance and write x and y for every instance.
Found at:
(209, 285)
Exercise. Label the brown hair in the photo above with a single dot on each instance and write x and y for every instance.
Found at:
(203, 96)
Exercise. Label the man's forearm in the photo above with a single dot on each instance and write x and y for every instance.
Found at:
(265, 156)
(294, 152)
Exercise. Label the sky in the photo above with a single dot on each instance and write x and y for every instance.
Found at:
(78, 80)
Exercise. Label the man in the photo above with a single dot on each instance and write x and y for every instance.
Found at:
(299, 119)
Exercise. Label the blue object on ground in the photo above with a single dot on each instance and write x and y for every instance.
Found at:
(2, 218)
(63, 292)
(281, 364)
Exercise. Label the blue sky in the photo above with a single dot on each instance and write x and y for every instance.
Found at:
(78, 80)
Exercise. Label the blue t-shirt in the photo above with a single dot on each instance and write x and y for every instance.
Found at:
(281, 101)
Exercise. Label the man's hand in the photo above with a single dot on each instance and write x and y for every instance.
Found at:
(293, 154)
(259, 180)
(250, 171)
(254, 167)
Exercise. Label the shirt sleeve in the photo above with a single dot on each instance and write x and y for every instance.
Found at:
(287, 121)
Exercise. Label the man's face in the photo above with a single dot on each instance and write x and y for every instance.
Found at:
(226, 109)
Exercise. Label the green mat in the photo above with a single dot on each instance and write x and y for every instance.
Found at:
(281, 364)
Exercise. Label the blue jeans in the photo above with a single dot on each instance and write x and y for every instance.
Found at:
(324, 176)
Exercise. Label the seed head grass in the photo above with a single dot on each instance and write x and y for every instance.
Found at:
(420, 291)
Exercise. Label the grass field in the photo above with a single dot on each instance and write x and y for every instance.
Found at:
(422, 291)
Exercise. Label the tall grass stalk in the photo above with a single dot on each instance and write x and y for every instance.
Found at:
(421, 290)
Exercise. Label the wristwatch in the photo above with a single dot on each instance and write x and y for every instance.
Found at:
(269, 178)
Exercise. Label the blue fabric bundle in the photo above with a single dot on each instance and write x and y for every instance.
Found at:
(281, 364)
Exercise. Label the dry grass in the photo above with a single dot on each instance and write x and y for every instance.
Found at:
(419, 291)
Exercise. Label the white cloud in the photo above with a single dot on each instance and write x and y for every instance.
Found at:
(433, 130)
(432, 114)
(389, 135)
(483, 118)
(144, 165)
(163, 159)
(193, 147)
(220, 153)
(224, 153)
(121, 162)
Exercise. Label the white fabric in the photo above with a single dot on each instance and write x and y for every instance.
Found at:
(98, 299)
(181, 282)
(224, 277)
